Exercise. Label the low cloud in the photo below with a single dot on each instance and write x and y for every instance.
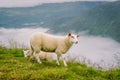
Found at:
(96, 49)
(18, 35)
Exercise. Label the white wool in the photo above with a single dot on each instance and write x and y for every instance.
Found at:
(47, 55)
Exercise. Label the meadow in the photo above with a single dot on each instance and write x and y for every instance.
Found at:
(14, 66)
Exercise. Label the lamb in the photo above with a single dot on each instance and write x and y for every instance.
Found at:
(49, 43)
(48, 56)
(42, 55)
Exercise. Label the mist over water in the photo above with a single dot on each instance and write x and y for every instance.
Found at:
(94, 48)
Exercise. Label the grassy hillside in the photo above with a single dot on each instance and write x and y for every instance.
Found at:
(13, 66)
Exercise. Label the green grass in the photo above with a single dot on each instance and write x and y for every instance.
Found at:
(14, 66)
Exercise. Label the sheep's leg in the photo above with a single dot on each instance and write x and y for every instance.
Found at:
(38, 59)
(57, 61)
(31, 57)
(36, 55)
(31, 54)
(64, 61)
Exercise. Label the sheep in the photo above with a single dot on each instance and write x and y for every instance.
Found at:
(50, 43)
(42, 55)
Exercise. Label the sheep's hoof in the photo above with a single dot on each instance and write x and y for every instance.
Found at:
(40, 62)
(65, 65)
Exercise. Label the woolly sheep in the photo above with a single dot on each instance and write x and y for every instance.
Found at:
(42, 55)
(49, 43)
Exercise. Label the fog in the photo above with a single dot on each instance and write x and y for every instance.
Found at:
(19, 36)
(97, 49)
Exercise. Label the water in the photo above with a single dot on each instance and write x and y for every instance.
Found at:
(97, 49)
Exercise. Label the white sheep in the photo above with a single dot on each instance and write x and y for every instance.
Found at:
(42, 55)
(49, 43)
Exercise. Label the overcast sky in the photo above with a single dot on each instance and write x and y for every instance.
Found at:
(27, 3)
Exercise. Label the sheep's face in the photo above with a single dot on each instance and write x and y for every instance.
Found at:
(73, 38)
(26, 53)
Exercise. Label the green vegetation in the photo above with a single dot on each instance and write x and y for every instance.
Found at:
(45, 13)
(103, 20)
(14, 66)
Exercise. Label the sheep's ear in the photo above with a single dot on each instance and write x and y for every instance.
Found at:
(69, 34)
(78, 35)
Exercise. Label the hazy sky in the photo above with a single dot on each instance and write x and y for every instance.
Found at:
(27, 3)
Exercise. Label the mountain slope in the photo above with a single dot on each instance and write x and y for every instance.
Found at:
(102, 20)
(42, 15)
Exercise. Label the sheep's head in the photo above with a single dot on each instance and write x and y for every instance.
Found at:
(26, 53)
(73, 38)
